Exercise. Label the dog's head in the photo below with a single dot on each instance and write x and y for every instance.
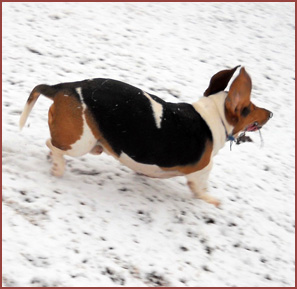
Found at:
(240, 112)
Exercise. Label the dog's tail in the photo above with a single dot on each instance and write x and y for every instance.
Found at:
(46, 90)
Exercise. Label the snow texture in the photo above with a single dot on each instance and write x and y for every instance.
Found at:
(102, 224)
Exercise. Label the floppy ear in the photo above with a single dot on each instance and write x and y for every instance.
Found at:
(219, 81)
(240, 93)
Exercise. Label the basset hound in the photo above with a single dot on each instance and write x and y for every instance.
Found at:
(147, 134)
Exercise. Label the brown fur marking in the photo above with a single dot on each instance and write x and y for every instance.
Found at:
(239, 97)
(219, 81)
(257, 114)
(65, 121)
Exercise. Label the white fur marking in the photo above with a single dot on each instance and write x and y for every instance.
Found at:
(86, 142)
(148, 170)
(197, 182)
(27, 109)
(157, 110)
(211, 109)
(59, 162)
(78, 90)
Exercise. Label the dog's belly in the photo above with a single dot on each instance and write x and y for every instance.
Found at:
(152, 171)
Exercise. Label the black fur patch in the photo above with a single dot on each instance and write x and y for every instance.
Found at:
(125, 118)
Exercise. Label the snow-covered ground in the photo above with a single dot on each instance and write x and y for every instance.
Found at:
(102, 224)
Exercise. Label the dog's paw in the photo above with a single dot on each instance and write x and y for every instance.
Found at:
(58, 169)
(213, 201)
(209, 199)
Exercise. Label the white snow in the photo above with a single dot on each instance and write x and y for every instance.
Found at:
(102, 224)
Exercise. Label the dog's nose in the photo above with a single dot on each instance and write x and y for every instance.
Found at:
(270, 114)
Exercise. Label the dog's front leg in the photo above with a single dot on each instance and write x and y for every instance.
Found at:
(197, 183)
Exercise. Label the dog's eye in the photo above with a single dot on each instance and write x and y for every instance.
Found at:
(245, 111)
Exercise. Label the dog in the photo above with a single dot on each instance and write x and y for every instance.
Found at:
(153, 137)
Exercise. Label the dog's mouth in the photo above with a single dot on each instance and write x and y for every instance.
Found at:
(253, 127)
(250, 128)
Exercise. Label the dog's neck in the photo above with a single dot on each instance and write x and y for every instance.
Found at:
(212, 109)
(219, 101)
(220, 104)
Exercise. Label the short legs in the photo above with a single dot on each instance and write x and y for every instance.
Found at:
(58, 159)
(197, 183)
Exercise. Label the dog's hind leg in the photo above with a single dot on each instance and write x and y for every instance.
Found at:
(58, 159)
(69, 130)
(197, 183)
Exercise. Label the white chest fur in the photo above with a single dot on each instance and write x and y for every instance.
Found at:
(211, 108)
